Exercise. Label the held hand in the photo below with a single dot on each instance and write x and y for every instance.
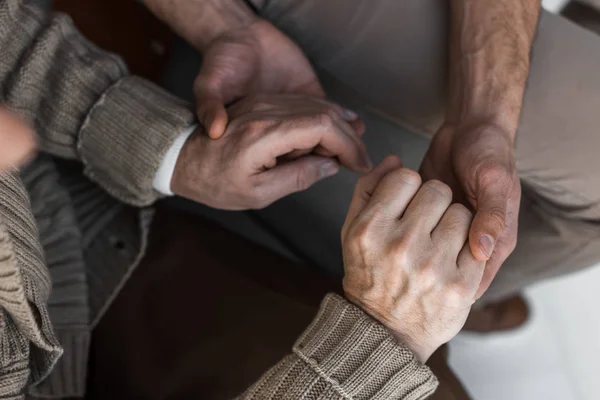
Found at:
(274, 145)
(479, 165)
(17, 141)
(406, 257)
(254, 59)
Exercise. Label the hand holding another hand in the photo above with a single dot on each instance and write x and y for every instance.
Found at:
(406, 257)
(274, 145)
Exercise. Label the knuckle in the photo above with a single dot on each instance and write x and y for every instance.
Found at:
(303, 180)
(362, 240)
(440, 187)
(409, 176)
(427, 276)
(457, 293)
(402, 176)
(325, 119)
(461, 213)
(400, 249)
(256, 126)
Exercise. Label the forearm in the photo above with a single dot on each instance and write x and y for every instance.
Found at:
(200, 21)
(490, 46)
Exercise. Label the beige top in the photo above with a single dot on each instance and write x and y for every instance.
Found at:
(74, 223)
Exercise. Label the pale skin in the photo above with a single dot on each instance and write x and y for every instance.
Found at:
(473, 152)
(406, 258)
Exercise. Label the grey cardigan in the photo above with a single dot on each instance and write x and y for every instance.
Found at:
(74, 223)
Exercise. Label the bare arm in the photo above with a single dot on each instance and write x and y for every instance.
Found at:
(490, 49)
(490, 46)
(200, 21)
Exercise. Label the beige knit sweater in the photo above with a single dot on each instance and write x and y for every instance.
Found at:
(72, 231)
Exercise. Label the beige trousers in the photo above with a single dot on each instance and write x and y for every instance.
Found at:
(391, 55)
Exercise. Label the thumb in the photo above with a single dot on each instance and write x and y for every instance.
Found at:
(210, 101)
(490, 220)
(213, 116)
(296, 176)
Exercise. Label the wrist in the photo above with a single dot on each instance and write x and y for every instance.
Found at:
(401, 334)
(189, 156)
(498, 124)
(202, 21)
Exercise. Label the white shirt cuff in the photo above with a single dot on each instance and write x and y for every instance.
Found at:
(164, 175)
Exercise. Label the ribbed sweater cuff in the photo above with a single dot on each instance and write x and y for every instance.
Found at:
(358, 356)
(126, 135)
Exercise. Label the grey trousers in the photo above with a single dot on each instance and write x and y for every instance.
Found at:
(388, 59)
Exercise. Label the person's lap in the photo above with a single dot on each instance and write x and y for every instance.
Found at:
(390, 56)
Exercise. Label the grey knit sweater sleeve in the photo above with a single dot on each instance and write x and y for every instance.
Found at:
(344, 354)
(84, 104)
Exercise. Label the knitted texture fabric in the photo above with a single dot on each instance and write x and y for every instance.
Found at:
(345, 354)
(72, 226)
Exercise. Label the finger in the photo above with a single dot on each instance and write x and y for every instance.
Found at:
(393, 195)
(452, 233)
(366, 185)
(490, 219)
(17, 141)
(358, 125)
(213, 116)
(321, 129)
(470, 269)
(312, 88)
(506, 244)
(294, 176)
(428, 206)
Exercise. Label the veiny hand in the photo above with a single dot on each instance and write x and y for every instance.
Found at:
(406, 257)
(274, 145)
(478, 163)
(17, 141)
(254, 59)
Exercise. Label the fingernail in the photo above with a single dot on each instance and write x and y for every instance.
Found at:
(487, 245)
(329, 169)
(349, 115)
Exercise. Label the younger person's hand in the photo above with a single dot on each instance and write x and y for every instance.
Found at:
(406, 257)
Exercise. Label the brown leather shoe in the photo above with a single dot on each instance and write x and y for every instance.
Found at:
(497, 317)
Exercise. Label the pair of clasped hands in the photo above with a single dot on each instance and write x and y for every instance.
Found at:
(407, 259)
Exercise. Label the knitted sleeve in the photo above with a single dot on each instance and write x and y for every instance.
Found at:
(344, 354)
(84, 104)
(28, 347)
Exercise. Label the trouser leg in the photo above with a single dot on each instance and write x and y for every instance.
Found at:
(391, 56)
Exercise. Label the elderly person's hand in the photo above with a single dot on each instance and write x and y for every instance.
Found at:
(17, 141)
(274, 145)
(406, 257)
